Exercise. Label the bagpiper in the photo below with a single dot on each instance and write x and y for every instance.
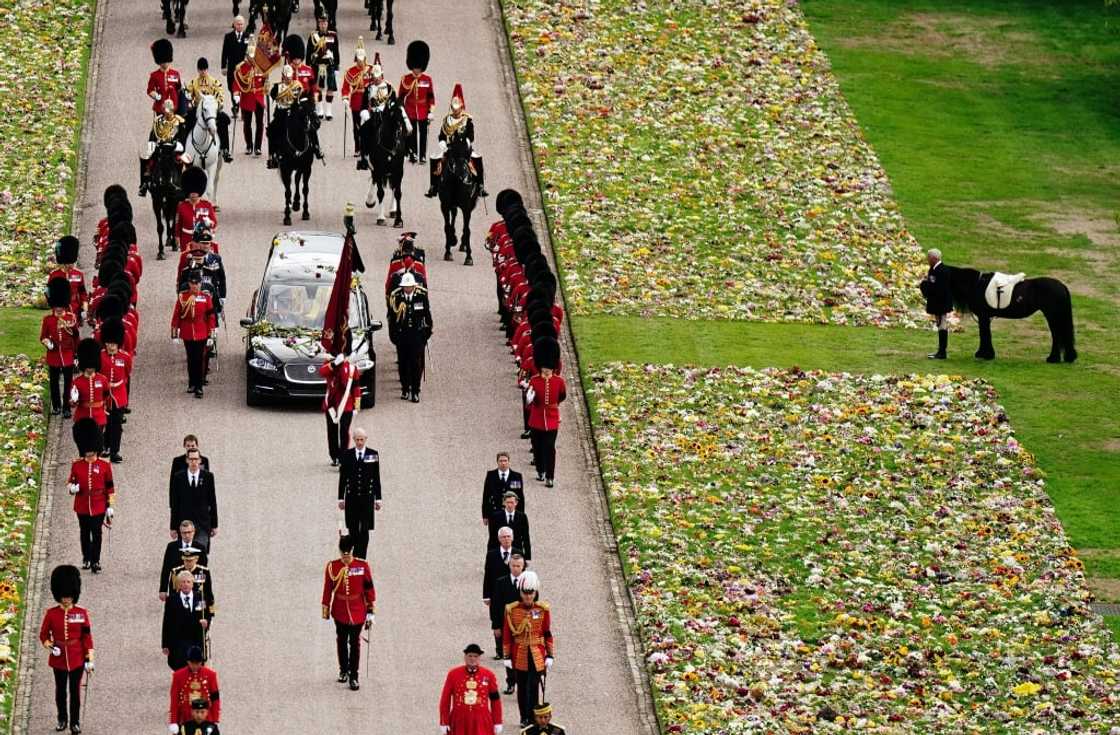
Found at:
(165, 83)
(354, 84)
(349, 598)
(542, 722)
(418, 95)
(67, 633)
(168, 129)
(59, 335)
(248, 93)
(324, 57)
(456, 139)
(193, 683)
(197, 88)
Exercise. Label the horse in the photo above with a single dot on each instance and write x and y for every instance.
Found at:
(277, 13)
(374, 7)
(1048, 295)
(166, 190)
(296, 157)
(384, 140)
(175, 15)
(458, 191)
(202, 144)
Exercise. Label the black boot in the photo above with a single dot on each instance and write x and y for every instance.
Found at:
(942, 345)
(479, 172)
(143, 177)
(433, 180)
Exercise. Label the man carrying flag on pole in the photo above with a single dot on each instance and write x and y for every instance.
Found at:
(343, 389)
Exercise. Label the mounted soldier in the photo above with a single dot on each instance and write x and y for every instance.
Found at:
(456, 139)
(205, 84)
(286, 93)
(167, 133)
(324, 56)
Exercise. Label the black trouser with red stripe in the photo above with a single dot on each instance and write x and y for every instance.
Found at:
(348, 639)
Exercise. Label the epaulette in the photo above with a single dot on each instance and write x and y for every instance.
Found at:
(512, 605)
(543, 605)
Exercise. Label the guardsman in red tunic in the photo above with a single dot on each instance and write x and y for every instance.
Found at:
(58, 334)
(471, 703)
(116, 366)
(89, 395)
(66, 255)
(528, 644)
(343, 396)
(91, 484)
(195, 208)
(164, 83)
(418, 96)
(354, 83)
(189, 684)
(248, 95)
(194, 322)
(545, 393)
(348, 599)
(66, 632)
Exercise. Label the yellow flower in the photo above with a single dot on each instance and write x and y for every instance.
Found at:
(1027, 689)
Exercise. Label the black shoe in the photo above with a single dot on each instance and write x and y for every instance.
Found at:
(66, 413)
(423, 159)
(55, 411)
(227, 157)
(432, 191)
(257, 152)
(271, 163)
(540, 477)
(116, 458)
(95, 568)
(85, 564)
(104, 455)
(61, 725)
(354, 684)
(415, 398)
(549, 483)
(343, 677)
(198, 393)
(508, 689)
(75, 728)
(392, 41)
(526, 434)
(936, 356)
(334, 462)
(412, 158)
(404, 395)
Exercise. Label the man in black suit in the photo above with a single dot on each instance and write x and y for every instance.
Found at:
(498, 482)
(505, 591)
(496, 565)
(185, 622)
(193, 498)
(234, 47)
(172, 555)
(510, 517)
(939, 301)
(359, 490)
(179, 464)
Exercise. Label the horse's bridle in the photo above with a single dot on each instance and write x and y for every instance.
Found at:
(206, 124)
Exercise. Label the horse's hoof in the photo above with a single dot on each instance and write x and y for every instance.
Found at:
(161, 256)
(381, 221)
(369, 205)
(1053, 359)
(1071, 355)
(398, 223)
(305, 216)
(985, 355)
(287, 220)
(468, 260)
(447, 256)
(462, 248)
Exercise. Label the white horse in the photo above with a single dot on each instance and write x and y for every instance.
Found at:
(202, 149)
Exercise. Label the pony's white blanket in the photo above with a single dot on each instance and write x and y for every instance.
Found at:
(998, 292)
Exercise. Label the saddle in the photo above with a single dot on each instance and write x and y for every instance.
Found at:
(999, 289)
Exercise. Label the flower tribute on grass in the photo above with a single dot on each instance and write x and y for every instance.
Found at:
(698, 160)
(813, 552)
(45, 43)
(22, 434)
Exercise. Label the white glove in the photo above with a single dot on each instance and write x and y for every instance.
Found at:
(444, 729)
(530, 395)
(151, 149)
(155, 95)
(179, 148)
(109, 513)
(363, 116)
(75, 395)
(548, 663)
(498, 729)
(175, 340)
(442, 146)
(48, 343)
(507, 663)
(173, 729)
(338, 359)
(329, 55)
(73, 488)
(89, 666)
(369, 619)
(210, 343)
(56, 651)
(237, 99)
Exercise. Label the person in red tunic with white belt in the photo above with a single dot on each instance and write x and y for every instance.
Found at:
(348, 599)
(194, 209)
(188, 684)
(91, 483)
(116, 366)
(193, 321)
(471, 702)
(66, 632)
(164, 83)
(58, 333)
(544, 395)
(89, 395)
(343, 396)
(66, 255)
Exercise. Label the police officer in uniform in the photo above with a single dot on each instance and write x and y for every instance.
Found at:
(542, 722)
(410, 328)
(205, 84)
(359, 490)
(323, 55)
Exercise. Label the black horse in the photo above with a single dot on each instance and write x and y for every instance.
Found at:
(458, 191)
(374, 8)
(384, 142)
(1048, 295)
(296, 156)
(277, 13)
(175, 16)
(166, 189)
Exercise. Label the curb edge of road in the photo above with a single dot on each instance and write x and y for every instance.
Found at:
(20, 721)
(620, 593)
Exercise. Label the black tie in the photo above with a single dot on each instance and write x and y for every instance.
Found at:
(194, 482)
(505, 557)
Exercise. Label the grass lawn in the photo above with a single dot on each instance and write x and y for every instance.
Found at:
(19, 331)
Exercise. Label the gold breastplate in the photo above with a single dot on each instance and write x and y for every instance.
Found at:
(166, 128)
(289, 93)
(453, 125)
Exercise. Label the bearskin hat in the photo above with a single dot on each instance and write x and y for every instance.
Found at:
(120, 210)
(87, 435)
(113, 192)
(194, 179)
(121, 288)
(124, 233)
(162, 51)
(89, 354)
(110, 307)
(112, 330)
(418, 55)
(542, 294)
(543, 328)
(506, 200)
(516, 217)
(523, 233)
(546, 352)
(66, 250)
(66, 580)
(294, 47)
(58, 292)
(110, 266)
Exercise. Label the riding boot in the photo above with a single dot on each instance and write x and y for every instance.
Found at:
(480, 175)
(143, 177)
(942, 345)
(223, 136)
(433, 178)
(272, 146)
(315, 145)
